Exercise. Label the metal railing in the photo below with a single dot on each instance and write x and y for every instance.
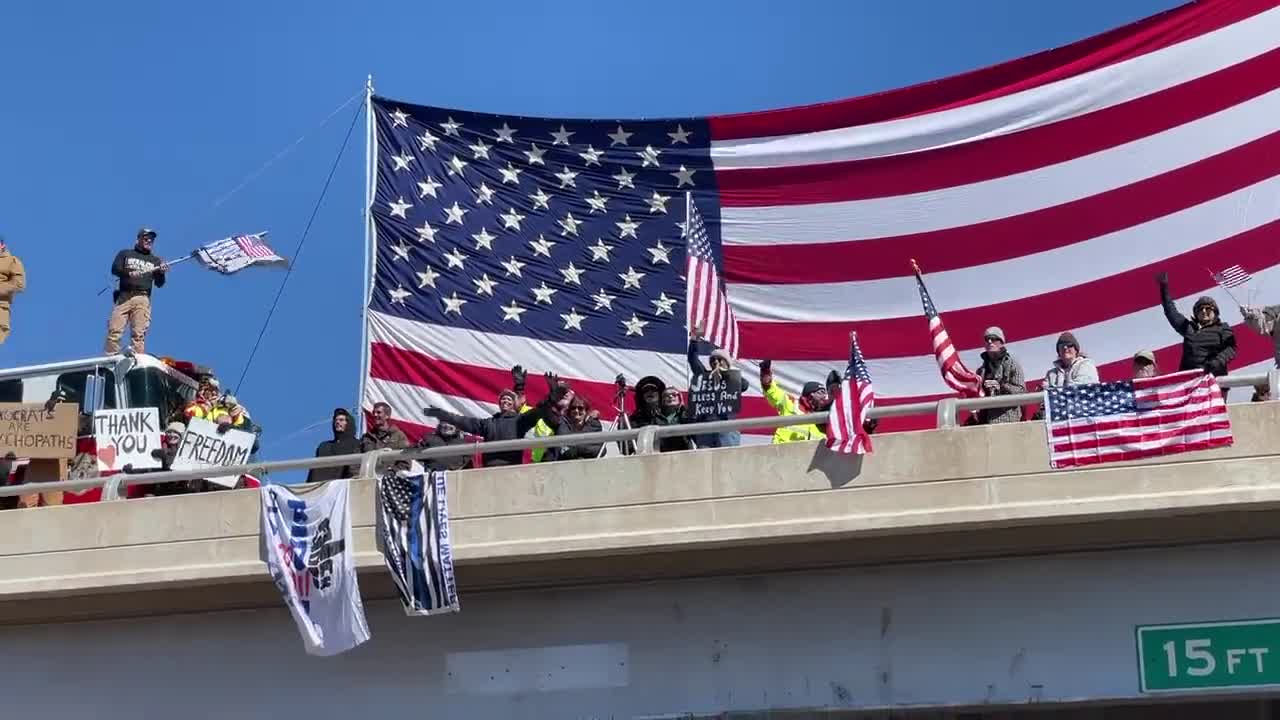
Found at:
(645, 439)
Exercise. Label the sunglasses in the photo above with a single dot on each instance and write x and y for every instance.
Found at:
(577, 408)
(992, 338)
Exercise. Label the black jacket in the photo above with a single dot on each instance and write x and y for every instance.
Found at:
(344, 443)
(501, 426)
(434, 440)
(584, 449)
(643, 417)
(1210, 347)
(134, 260)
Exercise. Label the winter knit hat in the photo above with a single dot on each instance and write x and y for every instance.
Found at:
(811, 387)
(1069, 340)
(1206, 300)
(508, 391)
(995, 332)
(176, 427)
(718, 353)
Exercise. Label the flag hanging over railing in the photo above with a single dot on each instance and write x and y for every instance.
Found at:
(235, 253)
(413, 532)
(306, 544)
(851, 405)
(955, 374)
(705, 299)
(1133, 419)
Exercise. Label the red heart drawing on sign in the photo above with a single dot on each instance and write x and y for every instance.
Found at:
(108, 456)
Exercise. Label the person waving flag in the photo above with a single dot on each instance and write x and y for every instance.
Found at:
(851, 405)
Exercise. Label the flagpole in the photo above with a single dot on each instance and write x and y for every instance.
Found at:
(369, 149)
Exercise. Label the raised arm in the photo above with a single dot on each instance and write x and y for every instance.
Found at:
(473, 425)
(1177, 320)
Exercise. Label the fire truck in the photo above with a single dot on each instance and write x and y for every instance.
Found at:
(104, 383)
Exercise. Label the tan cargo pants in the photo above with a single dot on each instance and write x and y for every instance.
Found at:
(4, 322)
(136, 312)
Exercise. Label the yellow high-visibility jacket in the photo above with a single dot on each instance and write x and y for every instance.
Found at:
(786, 405)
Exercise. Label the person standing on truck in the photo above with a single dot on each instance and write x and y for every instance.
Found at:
(139, 271)
(13, 280)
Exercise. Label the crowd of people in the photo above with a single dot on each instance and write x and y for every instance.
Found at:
(564, 413)
(1208, 344)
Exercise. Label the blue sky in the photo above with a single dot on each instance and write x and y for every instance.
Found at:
(147, 112)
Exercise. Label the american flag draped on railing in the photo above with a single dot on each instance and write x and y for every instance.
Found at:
(849, 408)
(1132, 419)
(954, 373)
(413, 527)
(705, 299)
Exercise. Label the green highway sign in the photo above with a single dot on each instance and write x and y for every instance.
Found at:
(1209, 655)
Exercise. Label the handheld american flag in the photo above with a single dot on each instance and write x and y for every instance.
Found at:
(707, 305)
(1132, 419)
(850, 406)
(235, 253)
(954, 373)
(1232, 277)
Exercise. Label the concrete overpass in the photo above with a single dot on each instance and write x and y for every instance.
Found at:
(948, 569)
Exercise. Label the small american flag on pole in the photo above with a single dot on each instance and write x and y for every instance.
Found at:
(706, 304)
(954, 373)
(1232, 277)
(850, 406)
(233, 254)
(1132, 419)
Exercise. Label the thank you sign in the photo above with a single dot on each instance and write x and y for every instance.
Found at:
(204, 447)
(715, 394)
(127, 437)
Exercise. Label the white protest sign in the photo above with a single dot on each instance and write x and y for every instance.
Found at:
(204, 447)
(127, 437)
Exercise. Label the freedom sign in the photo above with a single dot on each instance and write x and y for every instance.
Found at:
(204, 447)
(127, 437)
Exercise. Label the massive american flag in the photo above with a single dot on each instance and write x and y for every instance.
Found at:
(1041, 195)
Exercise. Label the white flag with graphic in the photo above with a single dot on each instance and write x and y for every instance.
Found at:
(306, 543)
(233, 254)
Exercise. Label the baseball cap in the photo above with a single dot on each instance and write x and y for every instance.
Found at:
(994, 331)
(1146, 355)
(144, 231)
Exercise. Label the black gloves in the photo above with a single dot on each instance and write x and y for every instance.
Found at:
(518, 375)
(557, 392)
(552, 380)
(766, 374)
(834, 378)
(1163, 279)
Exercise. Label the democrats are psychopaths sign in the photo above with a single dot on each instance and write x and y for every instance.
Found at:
(127, 437)
(204, 447)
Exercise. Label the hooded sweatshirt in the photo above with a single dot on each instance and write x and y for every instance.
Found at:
(343, 443)
(143, 263)
(1208, 347)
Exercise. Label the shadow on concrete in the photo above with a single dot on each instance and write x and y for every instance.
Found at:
(839, 469)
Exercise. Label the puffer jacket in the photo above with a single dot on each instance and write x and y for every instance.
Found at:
(1209, 347)
(1006, 371)
(643, 417)
(1266, 321)
(785, 405)
(585, 448)
(1081, 372)
(500, 426)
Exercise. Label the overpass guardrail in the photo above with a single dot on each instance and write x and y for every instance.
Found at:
(645, 439)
